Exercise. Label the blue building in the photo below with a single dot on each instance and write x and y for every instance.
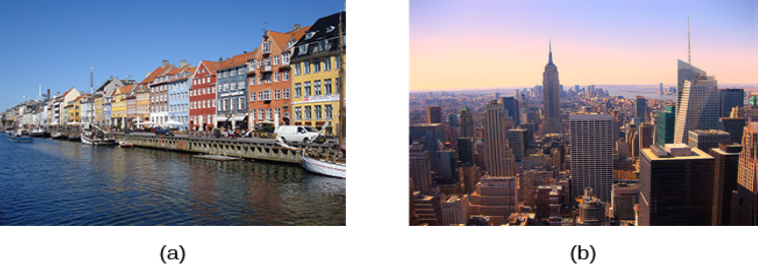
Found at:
(178, 94)
(231, 92)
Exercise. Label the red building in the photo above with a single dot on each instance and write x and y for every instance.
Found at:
(269, 76)
(202, 99)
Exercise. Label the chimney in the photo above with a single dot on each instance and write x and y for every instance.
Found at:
(296, 27)
(147, 74)
(48, 94)
(182, 63)
(111, 77)
(220, 59)
(164, 63)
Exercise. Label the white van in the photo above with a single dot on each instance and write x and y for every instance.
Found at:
(299, 134)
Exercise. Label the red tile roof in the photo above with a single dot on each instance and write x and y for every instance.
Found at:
(157, 72)
(212, 66)
(237, 60)
(125, 89)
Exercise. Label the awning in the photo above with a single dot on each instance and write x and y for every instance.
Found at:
(221, 118)
(239, 118)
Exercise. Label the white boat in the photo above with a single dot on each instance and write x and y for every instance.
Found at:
(38, 132)
(90, 139)
(324, 166)
(125, 144)
(331, 162)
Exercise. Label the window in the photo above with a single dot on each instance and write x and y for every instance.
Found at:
(260, 114)
(327, 63)
(276, 60)
(317, 112)
(302, 49)
(251, 81)
(327, 86)
(316, 65)
(233, 104)
(260, 63)
(278, 112)
(298, 90)
(277, 94)
(297, 69)
(224, 106)
(213, 102)
(250, 66)
(307, 89)
(307, 113)
(260, 79)
(213, 89)
(241, 103)
(307, 65)
(252, 96)
(268, 113)
(268, 78)
(328, 111)
(298, 113)
(285, 76)
(268, 63)
(226, 86)
(286, 93)
(286, 58)
(241, 84)
(264, 95)
(241, 71)
(232, 73)
(276, 77)
(266, 48)
(317, 87)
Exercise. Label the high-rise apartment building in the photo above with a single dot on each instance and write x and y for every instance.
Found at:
(664, 132)
(728, 99)
(496, 197)
(727, 161)
(698, 108)
(625, 196)
(434, 114)
(431, 136)
(640, 108)
(551, 98)
(498, 157)
(420, 167)
(675, 186)
(705, 140)
(591, 153)
(467, 123)
(455, 209)
(734, 126)
(745, 197)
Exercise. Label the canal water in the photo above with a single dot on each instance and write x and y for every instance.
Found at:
(53, 182)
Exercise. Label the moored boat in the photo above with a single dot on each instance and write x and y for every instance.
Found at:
(18, 138)
(125, 144)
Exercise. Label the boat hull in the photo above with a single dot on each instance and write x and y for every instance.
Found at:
(324, 168)
(21, 139)
(97, 142)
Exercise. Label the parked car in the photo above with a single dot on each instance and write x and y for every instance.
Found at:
(300, 134)
(163, 132)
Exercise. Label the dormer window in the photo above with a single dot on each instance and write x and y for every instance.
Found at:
(329, 29)
(266, 48)
(310, 34)
(302, 49)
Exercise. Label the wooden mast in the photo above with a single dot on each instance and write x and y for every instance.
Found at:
(342, 86)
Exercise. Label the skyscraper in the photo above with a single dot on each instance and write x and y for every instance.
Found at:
(705, 140)
(551, 97)
(698, 108)
(495, 196)
(675, 186)
(727, 165)
(510, 104)
(434, 115)
(640, 108)
(665, 125)
(733, 125)
(685, 71)
(431, 136)
(420, 167)
(498, 158)
(467, 123)
(455, 209)
(728, 99)
(592, 153)
(517, 142)
(745, 200)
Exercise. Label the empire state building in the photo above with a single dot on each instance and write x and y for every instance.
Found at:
(551, 98)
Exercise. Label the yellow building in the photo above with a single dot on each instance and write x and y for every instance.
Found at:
(118, 106)
(315, 63)
(74, 110)
(99, 110)
(68, 97)
(143, 104)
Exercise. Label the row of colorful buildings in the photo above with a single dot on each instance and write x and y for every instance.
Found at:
(291, 76)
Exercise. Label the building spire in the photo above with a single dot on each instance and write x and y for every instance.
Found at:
(550, 44)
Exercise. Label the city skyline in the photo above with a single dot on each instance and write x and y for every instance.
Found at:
(636, 42)
(114, 39)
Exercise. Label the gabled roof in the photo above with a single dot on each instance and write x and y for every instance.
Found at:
(157, 72)
(237, 60)
(325, 28)
(79, 98)
(66, 93)
(125, 89)
(211, 66)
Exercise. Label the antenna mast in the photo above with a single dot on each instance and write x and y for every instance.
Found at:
(689, 57)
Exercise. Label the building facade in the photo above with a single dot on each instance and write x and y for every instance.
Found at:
(498, 158)
(316, 63)
(231, 92)
(698, 108)
(203, 96)
(591, 154)
(551, 98)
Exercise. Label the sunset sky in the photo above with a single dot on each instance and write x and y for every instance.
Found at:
(486, 44)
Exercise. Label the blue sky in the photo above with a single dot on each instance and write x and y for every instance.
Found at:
(54, 43)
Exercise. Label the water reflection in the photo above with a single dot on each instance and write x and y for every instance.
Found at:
(65, 183)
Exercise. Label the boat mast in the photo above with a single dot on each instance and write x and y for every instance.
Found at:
(342, 86)
(91, 94)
